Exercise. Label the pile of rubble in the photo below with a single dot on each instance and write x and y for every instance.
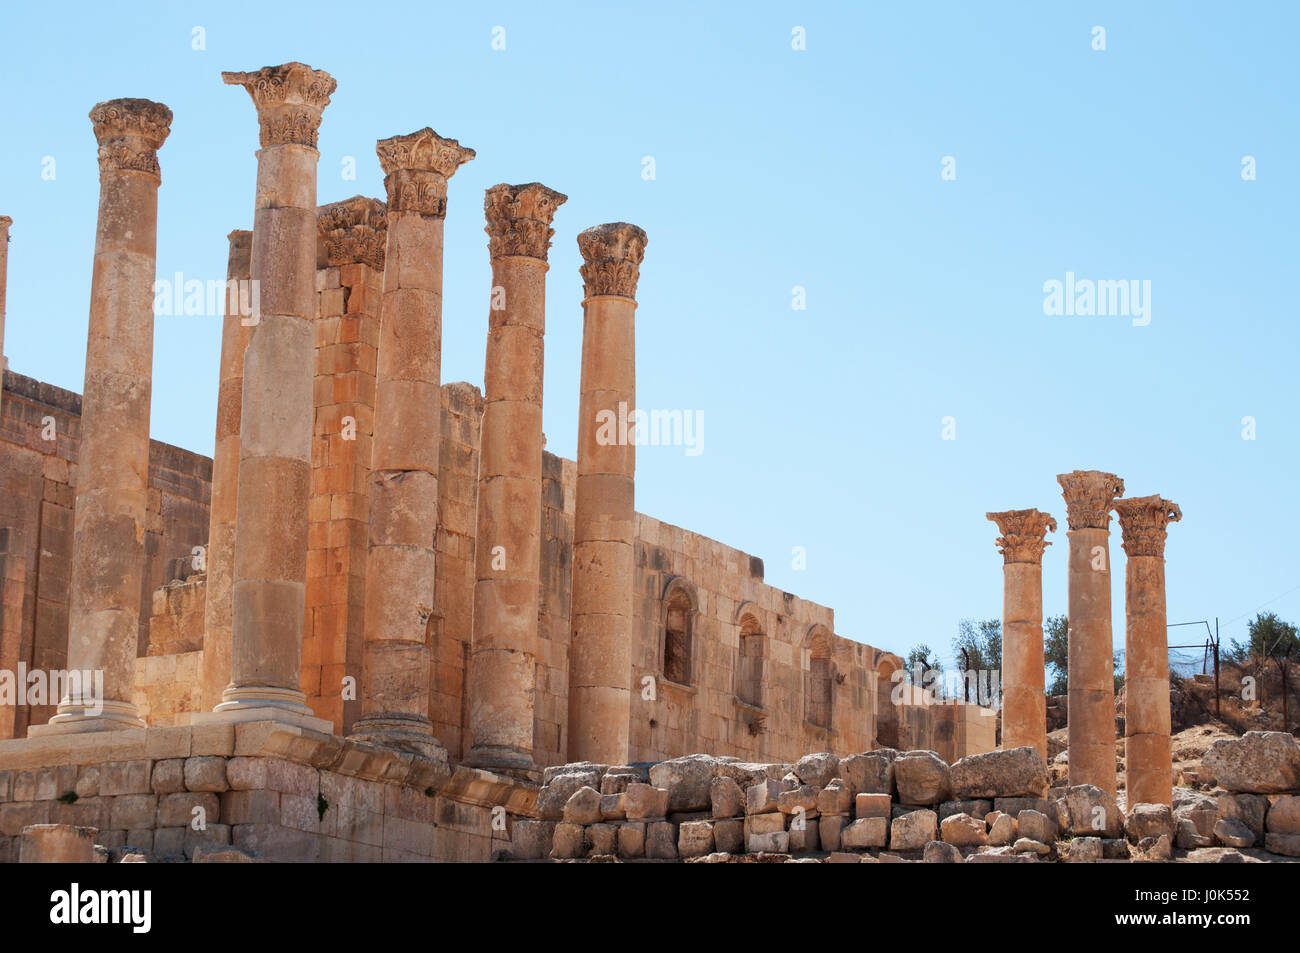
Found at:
(891, 806)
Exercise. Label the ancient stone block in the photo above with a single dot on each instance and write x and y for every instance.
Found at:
(1010, 772)
(977, 808)
(603, 838)
(1284, 815)
(872, 805)
(1084, 850)
(583, 807)
(133, 811)
(644, 802)
(695, 839)
(556, 792)
(530, 838)
(169, 776)
(178, 810)
(246, 774)
(631, 840)
(817, 769)
(1231, 832)
(865, 832)
(1288, 845)
(777, 842)
(963, 831)
(660, 840)
(940, 852)
(1090, 811)
(688, 781)
(1002, 832)
(761, 797)
(922, 778)
(1037, 826)
(829, 827)
(913, 830)
(871, 773)
(729, 835)
(1149, 820)
(207, 774)
(569, 841)
(726, 797)
(1259, 762)
(612, 807)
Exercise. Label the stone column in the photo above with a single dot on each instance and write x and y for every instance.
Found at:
(268, 593)
(1148, 760)
(600, 659)
(225, 472)
(502, 687)
(113, 472)
(1024, 705)
(5, 222)
(404, 460)
(1089, 497)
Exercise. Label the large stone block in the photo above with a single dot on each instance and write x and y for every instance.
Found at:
(817, 769)
(870, 804)
(631, 840)
(207, 774)
(1259, 762)
(977, 808)
(1149, 820)
(1009, 772)
(777, 842)
(555, 793)
(761, 796)
(583, 807)
(530, 839)
(913, 830)
(871, 773)
(569, 841)
(603, 839)
(922, 777)
(644, 802)
(729, 835)
(688, 781)
(185, 809)
(1288, 845)
(661, 840)
(941, 852)
(133, 811)
(835, 798)
(169, 776)
(1037, 826)
(726, 797)
(867, 832)
(1284, 815)
(829, 828)
(963, 830)
(1090, 811)
(695, 839)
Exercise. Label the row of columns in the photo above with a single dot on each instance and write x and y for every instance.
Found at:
(1090, 496)
(261, 480)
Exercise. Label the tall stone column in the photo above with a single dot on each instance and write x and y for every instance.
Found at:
(600, 657)
(404, 459)
(113, 472)
(1024, 705)
(268, 593)
(5, 222)
(235, 328)
(1089, 497)
(502, 687)
(1148, 759)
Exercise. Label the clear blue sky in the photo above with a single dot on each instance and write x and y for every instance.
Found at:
(774, 168)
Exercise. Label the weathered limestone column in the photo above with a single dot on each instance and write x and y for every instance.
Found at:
(112, 478)
(600, 659)
(5, 222)
(404, 459)
(268, 593)
(235, 329)
(1024, 704)
(1089, 497)
(1148, 760)
(502, 687)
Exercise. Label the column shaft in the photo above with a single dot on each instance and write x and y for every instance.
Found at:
(1148, 758)
(603, 605)
(268, 593)
(502, 688)
(403, 487)
(5, 222)
(225, 471)
(1089, 496)
(1024, 705)
(113, 458)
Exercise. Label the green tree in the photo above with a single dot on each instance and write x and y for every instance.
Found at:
(927, 660)
(1056, 653)
(1269, 637)
(978, 648)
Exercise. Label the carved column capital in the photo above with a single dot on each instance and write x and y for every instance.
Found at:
(353, 231)
(1023, 534)
(519, 219)
(416, 169)
(1089, 497)
(130, 132)
(1143, 520)
(289, 101)
(612, 255)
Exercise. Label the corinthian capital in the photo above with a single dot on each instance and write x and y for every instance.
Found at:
(1089, 497)
(416, 169)
(289, 101)
(353, 231)
(130, 132)
(612, 255)
(1143, 520)
(519, 219)
(1024, 534)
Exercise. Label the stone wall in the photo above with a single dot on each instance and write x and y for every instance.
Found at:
(281, 794)
(36, 515)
